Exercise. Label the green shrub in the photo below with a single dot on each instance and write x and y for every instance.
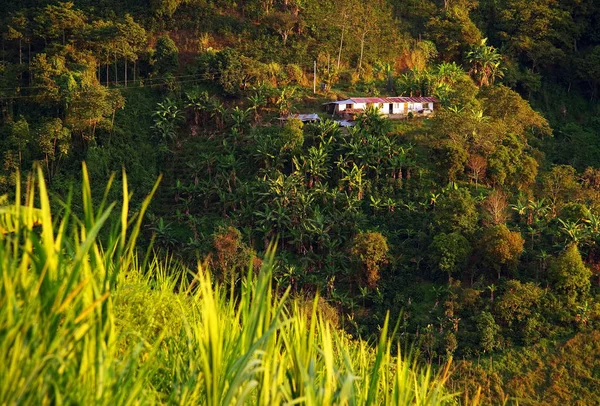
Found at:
(370, 250)
(449, 253)
(166, 56)
(570, 275)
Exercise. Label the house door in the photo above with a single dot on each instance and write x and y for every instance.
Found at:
(391, 108)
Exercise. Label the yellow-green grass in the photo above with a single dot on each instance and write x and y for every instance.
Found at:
(83, 321)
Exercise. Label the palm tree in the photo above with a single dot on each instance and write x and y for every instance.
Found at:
(200, 103)
(373, 123)
(434, 198)
(414, 83)
(388, 70)
(327, 131)
(520, 207)
(218, 112)
(592, 223)
(574, 231)
(166, 119)
(485, 63)
(257, 101)
(376, 203)
(537, 210)
(316, 165)
(264, 151)
(284, 102)
(492, 288)
(239, 118)
(391, 204)
(478, 116)
(439, 291)
(448, 73)
(354, 179)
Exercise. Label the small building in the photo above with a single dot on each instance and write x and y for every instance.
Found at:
(392, 107)
(305, 118)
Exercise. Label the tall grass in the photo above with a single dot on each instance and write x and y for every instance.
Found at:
(82, 321)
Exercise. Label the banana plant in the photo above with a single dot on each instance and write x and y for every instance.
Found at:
(316, 165)
(257, 102)
(285, 101)
(574, 231)
(239, 117)
(327, 131)
(218, 112)
(200, 103)
(354, 181)
(167, 118)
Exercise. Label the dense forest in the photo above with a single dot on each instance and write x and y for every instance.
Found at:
(476, 231)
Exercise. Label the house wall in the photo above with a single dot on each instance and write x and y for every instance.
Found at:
(397, 108)
(386, 108)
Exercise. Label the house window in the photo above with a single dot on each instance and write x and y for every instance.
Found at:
(349, 106)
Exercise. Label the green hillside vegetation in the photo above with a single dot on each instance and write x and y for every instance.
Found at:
(548, 373)
(86, 321)
(476, 229)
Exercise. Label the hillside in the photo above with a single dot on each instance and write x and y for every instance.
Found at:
(101, 326)
(473, 223)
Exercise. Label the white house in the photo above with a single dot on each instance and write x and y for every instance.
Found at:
(393, 107)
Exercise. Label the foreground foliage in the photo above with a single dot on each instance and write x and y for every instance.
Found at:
(83, 321)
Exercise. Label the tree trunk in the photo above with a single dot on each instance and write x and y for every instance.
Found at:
(116, 70)
(125, 72)
(29, 61)
(340, 51)
(362, 48)
(112, 126)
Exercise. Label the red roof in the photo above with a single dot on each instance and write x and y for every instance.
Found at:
(367, 100)
(410, 100)
(401, 99)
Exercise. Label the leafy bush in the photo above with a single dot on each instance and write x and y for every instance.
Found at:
(370, 250)
(570, 275)
(450, 252)
(166, 56)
